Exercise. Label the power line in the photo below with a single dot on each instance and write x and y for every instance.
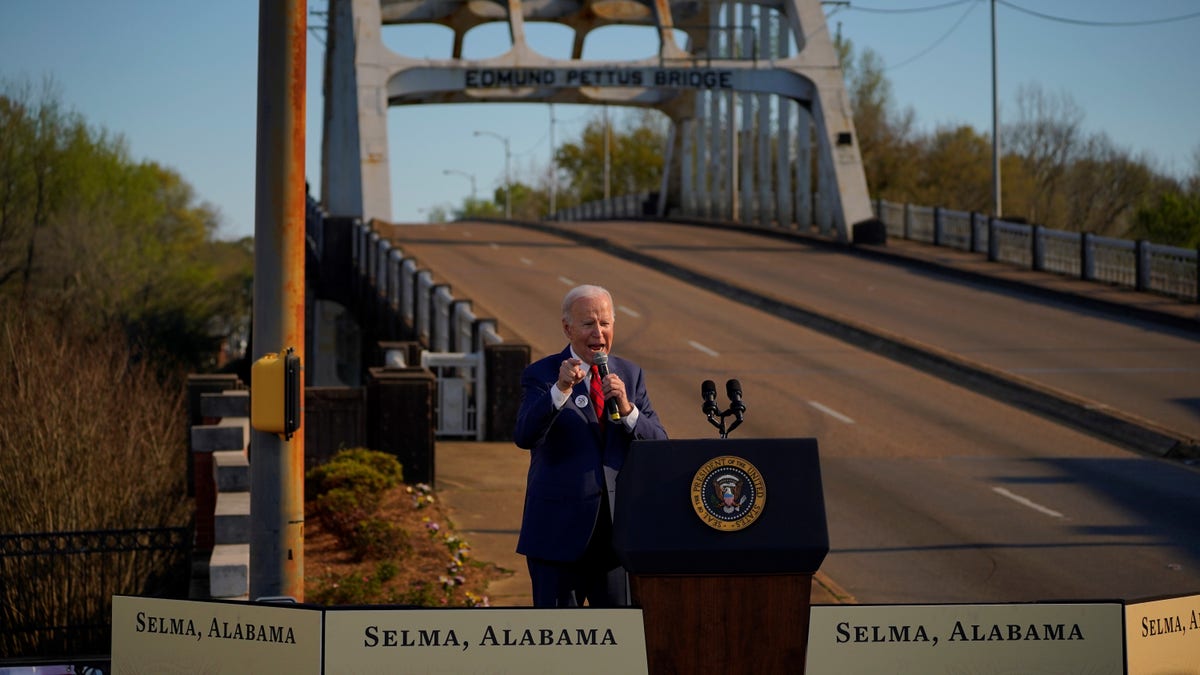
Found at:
(1083, 22)
(909, 10)
(940, 40)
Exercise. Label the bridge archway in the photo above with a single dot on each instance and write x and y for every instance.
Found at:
(759, 134)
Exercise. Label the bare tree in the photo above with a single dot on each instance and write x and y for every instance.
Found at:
(1105, 185)
(885, 136)
(1047, 138)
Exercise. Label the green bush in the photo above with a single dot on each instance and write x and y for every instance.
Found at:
(377, 538)
(342, 509)
(357, 469)
(346, 493)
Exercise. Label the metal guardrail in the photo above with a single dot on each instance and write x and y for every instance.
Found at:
(1141, 265)
(94, 541)
(437, 318)
(449, 327)
(42, 623)
(636, 205)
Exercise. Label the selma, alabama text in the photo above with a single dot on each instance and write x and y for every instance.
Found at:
(673, 78)
(1168, 625)
(1010, 632)
(373, 636)
(224, 630)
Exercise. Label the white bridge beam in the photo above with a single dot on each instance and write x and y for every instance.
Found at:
(738, 57)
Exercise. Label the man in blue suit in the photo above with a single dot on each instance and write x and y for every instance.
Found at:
(575, 454)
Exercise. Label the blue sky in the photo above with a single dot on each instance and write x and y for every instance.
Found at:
(178, 80)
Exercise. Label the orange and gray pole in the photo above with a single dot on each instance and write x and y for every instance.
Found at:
(277, 465)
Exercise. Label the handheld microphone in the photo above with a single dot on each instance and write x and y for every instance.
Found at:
(610, 404)
(708, 389)
(733, 389)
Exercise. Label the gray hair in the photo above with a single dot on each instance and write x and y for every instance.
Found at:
(584, 291)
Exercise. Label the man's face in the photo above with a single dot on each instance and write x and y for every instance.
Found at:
(589, 326)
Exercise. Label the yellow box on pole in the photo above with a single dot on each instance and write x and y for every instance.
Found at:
(275, 387)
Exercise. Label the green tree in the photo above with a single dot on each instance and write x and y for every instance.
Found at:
(85, 228)
(635, 158)
(481, 208)
(1173, 220)
(955, 170)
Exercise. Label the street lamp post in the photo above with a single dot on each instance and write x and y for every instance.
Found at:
(997, 211)
(470, 176)
(507, 162)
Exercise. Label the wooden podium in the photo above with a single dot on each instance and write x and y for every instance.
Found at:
(721, 538)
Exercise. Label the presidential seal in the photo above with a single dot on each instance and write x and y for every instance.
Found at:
(728, 493)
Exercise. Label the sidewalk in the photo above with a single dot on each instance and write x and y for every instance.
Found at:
(482, 487)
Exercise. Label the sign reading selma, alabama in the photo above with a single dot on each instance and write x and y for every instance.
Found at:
(152, 635)
(981, 639)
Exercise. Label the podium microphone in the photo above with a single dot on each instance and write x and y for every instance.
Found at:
(733, 389)
(708, 389)
(610, 404)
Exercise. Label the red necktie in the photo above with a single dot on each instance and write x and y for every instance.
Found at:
(597, 394)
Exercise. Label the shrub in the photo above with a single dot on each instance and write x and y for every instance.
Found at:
(342, 509)
(90, 439)
(355, 468)
(378, 538)
(346, 492)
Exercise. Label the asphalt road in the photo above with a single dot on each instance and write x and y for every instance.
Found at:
(934, 493)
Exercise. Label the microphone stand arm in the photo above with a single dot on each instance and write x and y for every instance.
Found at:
(737, 419)
(719, 424)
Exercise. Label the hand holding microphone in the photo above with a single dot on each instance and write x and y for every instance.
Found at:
(611, 411)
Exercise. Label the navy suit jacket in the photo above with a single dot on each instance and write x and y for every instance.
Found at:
(569, 456)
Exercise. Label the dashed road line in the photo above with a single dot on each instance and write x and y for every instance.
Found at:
(1023, 501)
(831, 412)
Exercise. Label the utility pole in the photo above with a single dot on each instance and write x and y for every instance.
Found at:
(277, 468)
(607, 160)
(553, 167)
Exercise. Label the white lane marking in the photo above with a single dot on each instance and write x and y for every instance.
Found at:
(526, 261)
(630, 312)
(566, 281)
(831, 412)
(1027, 502)
(706, 350)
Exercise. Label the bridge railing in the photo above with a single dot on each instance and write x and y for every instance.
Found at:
(636, 205)
(1141, 265)
(453, 335)
(436, 317)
